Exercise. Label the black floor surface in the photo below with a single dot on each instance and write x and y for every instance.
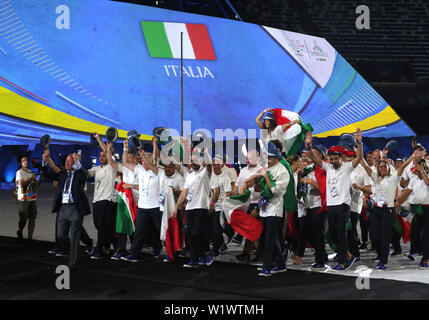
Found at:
(28, 272)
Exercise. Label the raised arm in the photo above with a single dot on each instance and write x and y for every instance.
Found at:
(290, 124)
(100, 142)
(125, 161)
(259, 118)
(47, 159)
(110, 160)
(156, 152)
(208, 161)
(359, 151)
(308, 145)
(404, 165)
(366, 167)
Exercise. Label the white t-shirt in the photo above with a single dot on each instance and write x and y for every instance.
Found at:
(313, 195)
(149, 185)
(198, 185)
(274, 206)
(104, 182)
(361, 178)
(338, 183)
(276, 134)
(409, 175)
(130, 177)
(245, 174)
(232, 174)
(385, 189)
(30, 194)
(419, 190)
(175, 181)
(222, 182)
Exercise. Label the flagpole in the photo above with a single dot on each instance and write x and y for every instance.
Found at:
(181, 81)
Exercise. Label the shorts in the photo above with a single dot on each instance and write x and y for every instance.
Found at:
(27, 210)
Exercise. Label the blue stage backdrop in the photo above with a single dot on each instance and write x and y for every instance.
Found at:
(83, 66)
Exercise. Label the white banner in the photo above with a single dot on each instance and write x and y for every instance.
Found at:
(315, 55)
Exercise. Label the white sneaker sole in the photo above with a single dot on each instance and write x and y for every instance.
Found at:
(279, 271)
(264, 275)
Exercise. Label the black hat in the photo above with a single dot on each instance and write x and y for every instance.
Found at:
(133, 133)
(45, 140)
(93, 140)
(112, 134)
(392, 145)
(347, 140)
(321, 148)
(163, 132)
(134, 143)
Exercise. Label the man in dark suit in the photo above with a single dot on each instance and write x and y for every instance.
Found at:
(70, 202)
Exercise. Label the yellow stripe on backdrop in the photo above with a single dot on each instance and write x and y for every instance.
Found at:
(14, 105)
(385, 117)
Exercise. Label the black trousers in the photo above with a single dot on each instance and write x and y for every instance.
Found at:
(148, 221)
(425, 233)
(396, 240)
(352, 238)
(303, 236)
(104, 215)
(364, 228)
(273, 242)
(217, 232)
(382, 227)
(337, 219)
(416, 230)
(122, 242)
(197, 232)
(314, 226)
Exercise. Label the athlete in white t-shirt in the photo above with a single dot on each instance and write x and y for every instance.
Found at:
(382, 215)
(338, 196)
(129, 178)
(103, 207)
(220, 186)
(360, 183)
(196, 191)
(148, 219)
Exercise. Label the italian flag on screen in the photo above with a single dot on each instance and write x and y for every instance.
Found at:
(163, 40)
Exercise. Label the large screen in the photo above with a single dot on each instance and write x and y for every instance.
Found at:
(69, 67)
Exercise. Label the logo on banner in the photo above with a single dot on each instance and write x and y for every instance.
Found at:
(164, 40)
(318, 52)
(297, 46)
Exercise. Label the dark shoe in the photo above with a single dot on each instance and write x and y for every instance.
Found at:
(243, 258)
(363, 246)
(223, 248)
(396, 253)
(96, 256)
(277, 269)
(350, 263)
(19, 234)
